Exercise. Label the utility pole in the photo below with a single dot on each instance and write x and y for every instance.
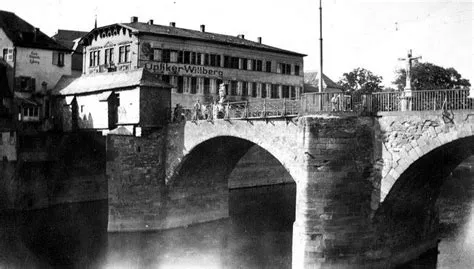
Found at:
(320, 74)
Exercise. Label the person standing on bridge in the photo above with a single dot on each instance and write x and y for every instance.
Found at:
(196, 110)
(335, 102)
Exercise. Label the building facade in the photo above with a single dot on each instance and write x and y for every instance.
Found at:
(195, 62)
(134, 99)
(70, 39)
(31, 64)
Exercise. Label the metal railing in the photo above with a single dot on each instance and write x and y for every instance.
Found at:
(313, 103)
(260, 109)
(452, 99)
(336, 102)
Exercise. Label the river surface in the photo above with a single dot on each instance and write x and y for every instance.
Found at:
(257, 235)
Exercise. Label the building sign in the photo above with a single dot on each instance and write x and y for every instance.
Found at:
(182, 69)
(34, 57)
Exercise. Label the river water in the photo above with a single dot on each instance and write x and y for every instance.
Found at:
(257, 235)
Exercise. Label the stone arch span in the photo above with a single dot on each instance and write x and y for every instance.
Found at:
(419, 153)
(279, 138)
(200, 182)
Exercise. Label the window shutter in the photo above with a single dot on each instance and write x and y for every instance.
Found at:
(55, 58)
(17, 83)
(32, 84)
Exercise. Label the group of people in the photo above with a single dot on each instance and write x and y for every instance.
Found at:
(212, 111)
(199, 111)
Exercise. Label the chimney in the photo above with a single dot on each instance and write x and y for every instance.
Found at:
(134, 19)
(36, 34)
(203, 28)
(173, 24)
(150, 22)
(241, 36)
(259, 40)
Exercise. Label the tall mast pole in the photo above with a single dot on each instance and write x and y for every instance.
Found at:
(320, 74)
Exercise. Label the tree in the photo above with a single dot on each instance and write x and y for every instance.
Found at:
(361, 80)
(428, 76)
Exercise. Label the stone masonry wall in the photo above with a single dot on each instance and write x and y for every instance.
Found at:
(135, 172)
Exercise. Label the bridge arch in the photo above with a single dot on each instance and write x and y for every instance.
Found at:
(278, 138)
(409, 140)
(419, 153)
(200, 183)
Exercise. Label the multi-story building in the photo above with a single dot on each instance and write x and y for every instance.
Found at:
(34, 64)
(195, 62)
(70, 39)
(31, 64)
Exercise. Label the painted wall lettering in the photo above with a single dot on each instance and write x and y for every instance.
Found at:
(34, 57)
(167, 68)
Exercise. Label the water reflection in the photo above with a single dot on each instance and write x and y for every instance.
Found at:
(258, 235)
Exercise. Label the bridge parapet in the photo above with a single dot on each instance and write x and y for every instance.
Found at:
(327, 102)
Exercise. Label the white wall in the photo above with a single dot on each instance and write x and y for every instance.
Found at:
(38, 64)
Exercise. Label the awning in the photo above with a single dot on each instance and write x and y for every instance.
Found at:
(28, 101)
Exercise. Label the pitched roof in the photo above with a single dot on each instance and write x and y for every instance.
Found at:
(98, 82)
(311, 82)
(161, 30)
(68, 38)
(23, 34)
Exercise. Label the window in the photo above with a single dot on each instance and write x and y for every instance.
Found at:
(124, 54)
(254, 65)
(215, 60)
(264, 90)
(297, 70)
(245, 88)
(193, 57)
(284, 68)
(5, 53)
(285, 91)
(244, 64)
(292, 92)
(234, 62)
(157, 55)
(274, 91)
(180, 57)
(25, 84)
(254, 89)
(30, 111)
(193, 84)
(199, 58)
(58, 58)
(187, 56)
(180, 85)
(226, 61)
(268, 66)
(94, 58)
(206, 59)
(259, 65)
(166, 78)
(166, 56)
(233, 88)
(109, 56)
(207, 85)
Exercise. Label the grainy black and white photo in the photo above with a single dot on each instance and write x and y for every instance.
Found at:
(236, 134)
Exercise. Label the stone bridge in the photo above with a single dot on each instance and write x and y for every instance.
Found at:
(366, 187)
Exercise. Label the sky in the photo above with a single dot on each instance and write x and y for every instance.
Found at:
(356, 33)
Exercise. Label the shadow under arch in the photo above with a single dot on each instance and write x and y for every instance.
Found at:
(407, 219)
(199, 187)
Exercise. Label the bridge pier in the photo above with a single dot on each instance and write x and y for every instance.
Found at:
(334, 194)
